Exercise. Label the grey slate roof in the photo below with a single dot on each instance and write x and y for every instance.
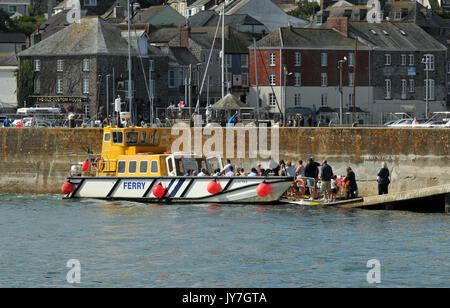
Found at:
(181, 56)
(267, 12)
(307, 38)
(92, 36)
(414, 38)
(211, 19)
(235, 41)
(8, 59)
(12, 37)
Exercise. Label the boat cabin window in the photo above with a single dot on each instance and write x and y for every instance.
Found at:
(143, 166)
(121, 167)
(118, 137)
(107, 137)
(132, 166)
(153, 137)
(143, 137)
(154, 166)
(131, 137)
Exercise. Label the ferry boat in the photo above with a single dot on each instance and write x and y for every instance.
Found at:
(135, 166)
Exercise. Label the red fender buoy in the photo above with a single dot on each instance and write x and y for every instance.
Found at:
(213, 187)
(159, 191)
(85, 166)
(67, 188)
(263, 189)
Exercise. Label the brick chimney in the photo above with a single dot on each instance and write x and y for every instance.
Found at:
(185, 33)
(338, 23)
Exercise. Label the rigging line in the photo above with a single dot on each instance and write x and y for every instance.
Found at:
(271, 87)
(197, 107)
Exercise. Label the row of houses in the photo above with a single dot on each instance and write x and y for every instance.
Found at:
(85, 63)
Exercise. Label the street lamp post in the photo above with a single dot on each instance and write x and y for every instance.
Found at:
(286, 73)
(426, 61)
(341, 92)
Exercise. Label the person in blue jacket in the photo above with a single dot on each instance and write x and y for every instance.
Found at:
(233, 119)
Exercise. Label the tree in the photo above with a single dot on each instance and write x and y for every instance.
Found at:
(25, 82)
(305, 9)
(26, 24)
(5, 21)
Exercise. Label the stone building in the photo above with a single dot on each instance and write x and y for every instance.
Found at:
(76, 66)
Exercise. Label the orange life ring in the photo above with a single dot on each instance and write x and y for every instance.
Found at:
(300, 189)
(99, 164)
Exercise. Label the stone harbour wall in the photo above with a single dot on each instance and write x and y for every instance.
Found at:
(37, 160)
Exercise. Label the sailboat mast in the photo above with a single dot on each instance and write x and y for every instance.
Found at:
(223, 49)
(129, 67)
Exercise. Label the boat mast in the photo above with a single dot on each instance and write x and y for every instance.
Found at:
(223, 49)
(129, 67)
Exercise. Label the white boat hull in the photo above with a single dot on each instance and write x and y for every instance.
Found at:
(179, 189)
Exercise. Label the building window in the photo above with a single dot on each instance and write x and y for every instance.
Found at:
(411, 60)
(229, 81)
(429, 89)
(298, 79)
(244, 60)
(448, 87)
(351, 59)
(171, 79)
(272, 79)
(350, 99)
(37, 86)
(86, 65)
(245, 79)
(204, 57)
(403, 60)
(85, 86)
(324, 79)
(272, 59)
(324, 99)
(181, 81)
(411, 86)
(59, 86)
(37, 65)
(272, 100)
(90, 2)
(429, 62)
(318, 19)
(448, 67)
(297, 99)
(398, 15)
(152, 65)
(59, 65)
(324, 59)
(387, 89)
(387, 59)
(86, 110)
(298, 59)
(12, 9)
(404, 88)
(350, 79)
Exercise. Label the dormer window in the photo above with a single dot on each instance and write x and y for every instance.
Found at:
(398, 15)
(319, 19)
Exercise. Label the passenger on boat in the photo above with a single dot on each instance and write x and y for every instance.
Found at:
(230, 171)
(300, 170)
(188, 172)
(290, 170)
(203, 172)
(217, 172)
(254, 172)
(227, 167)
(350, 185)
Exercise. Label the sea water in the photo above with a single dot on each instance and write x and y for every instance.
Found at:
(128, 244)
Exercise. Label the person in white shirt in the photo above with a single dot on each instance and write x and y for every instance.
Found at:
(203, 172)
(228, 166)
(230, 171)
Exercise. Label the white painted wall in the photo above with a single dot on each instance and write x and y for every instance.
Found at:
(8, 86)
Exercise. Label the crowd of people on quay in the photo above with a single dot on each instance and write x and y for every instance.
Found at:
(315, 176)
